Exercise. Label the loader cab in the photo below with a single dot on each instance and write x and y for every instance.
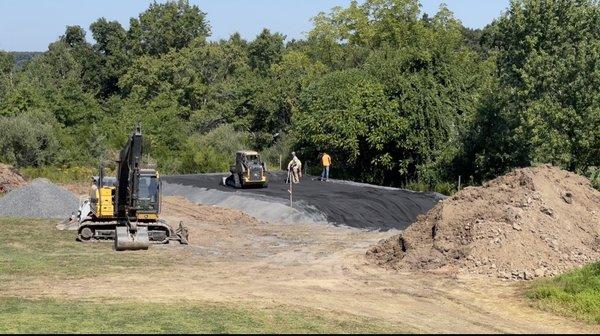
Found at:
(248, 158)
(253, 159)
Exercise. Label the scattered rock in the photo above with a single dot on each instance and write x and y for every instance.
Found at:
(547, 211)
(516, 274)
(539, 272)
(567, 197)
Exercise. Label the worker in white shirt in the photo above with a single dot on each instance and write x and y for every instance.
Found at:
(295, 167)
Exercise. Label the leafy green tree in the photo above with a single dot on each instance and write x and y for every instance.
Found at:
(547, 98)
(25, 141)
(6, 66)
(134, 39)
(347, 114)
(52, 83)
(74, 36)
(265, 50)
(214, 151)
(290, 76)
(111, 44)
(327, 41)
(431, 79)
(207, 81)
(173, 24)
(7, 62)
(84, 56)
(344, 37)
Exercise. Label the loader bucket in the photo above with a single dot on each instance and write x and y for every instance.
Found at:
(126, 241)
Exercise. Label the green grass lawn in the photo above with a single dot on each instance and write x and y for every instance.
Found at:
(31, 247)
(34, 249)
(53, 316)
(574, 294)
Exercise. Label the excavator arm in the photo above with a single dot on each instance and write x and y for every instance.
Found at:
(129, 235)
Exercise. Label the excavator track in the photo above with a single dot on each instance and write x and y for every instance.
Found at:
(157, 232)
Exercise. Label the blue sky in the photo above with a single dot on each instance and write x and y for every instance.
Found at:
(30, 25)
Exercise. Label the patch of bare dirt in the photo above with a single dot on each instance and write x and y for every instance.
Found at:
(10, 178)
(235, 259)
(529, 223)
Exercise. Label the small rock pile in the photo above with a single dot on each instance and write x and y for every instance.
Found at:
(530, 223)
(9, 178)
(39, 199)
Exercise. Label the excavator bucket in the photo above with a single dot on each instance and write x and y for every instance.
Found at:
(126, 241)
(182, 234)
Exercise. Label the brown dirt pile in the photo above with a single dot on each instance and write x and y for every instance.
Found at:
(529, 223)
(10, 178)
(218, 218)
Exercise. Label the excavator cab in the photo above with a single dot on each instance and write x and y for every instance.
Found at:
(145, 209)
(148, 200)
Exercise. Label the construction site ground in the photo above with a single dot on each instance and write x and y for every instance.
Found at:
(235, 259)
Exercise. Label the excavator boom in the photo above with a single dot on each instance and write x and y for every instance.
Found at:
(128, 235)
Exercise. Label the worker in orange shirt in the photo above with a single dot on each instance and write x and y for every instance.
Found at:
(325, 162)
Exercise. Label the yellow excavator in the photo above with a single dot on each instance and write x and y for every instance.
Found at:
(126, 208)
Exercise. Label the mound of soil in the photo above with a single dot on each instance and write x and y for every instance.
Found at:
(10, 178)
(529, 223)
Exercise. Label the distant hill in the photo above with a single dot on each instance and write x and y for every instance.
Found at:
(22, 57)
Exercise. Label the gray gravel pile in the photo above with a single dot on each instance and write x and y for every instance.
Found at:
(39, 199)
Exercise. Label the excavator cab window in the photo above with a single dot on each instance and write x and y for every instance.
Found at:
(148, 189)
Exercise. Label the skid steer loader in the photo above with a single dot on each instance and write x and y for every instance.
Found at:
(126, 208)
(248, 171)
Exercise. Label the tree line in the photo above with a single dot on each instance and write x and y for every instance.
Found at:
(396, 96)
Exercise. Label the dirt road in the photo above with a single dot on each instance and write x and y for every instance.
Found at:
(351, 204)
(237, 259)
